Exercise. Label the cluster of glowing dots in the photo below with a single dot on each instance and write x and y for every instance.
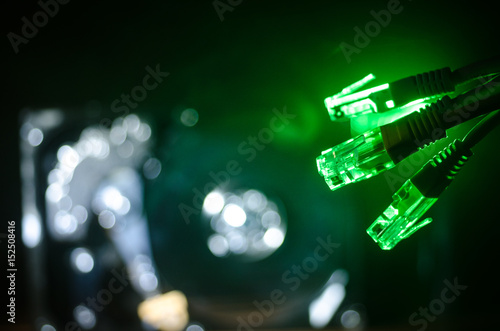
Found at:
(108, 204)
(145, 273)
(95, 143)
(246, 224)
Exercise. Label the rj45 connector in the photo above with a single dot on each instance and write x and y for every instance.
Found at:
(355, 160)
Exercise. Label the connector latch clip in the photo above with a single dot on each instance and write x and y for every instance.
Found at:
(349, 103)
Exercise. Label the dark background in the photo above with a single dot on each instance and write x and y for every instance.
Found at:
(271, 54)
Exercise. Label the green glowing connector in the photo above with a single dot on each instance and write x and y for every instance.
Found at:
(355, 160)
(349, 103)
(370, 121)
(401, 219)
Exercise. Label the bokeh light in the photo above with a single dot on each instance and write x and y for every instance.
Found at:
(84, 316)
(244, 223)
(189, 117)
(350, 319)
(82, 260)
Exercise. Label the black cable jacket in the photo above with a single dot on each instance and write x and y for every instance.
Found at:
(472, 104)
(413, 132)
(440, 171)
(442, 81)
(476, 70)
(482, 129)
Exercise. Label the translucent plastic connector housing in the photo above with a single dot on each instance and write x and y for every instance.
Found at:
(350, 102)
(371, 120)
(401, 219)
(355, 160)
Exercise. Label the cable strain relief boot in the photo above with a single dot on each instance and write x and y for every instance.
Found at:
(410, 133)
(422, 85)
(439, 172)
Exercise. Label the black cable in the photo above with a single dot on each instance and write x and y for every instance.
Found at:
(482, 129)
(442, 81)
(469, 105)
(418, 129)
(472, 84)
(476, 70)
(438, 173)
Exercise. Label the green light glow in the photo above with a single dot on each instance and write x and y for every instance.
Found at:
(337, 101)
(418, 102)
(355, 109)
(369, 121)
(355, 160)
(346, 104)
(401, 219)
(357, 85)
(350, 103)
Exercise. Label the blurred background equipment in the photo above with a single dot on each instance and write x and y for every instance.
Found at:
(114, 218)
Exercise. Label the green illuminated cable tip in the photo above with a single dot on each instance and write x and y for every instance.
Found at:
(353, 102)
(350, 102)
(355, 160)
(401, 218)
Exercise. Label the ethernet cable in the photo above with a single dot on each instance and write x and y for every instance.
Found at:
(351, 102)
(404, 216)
(381, 148)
